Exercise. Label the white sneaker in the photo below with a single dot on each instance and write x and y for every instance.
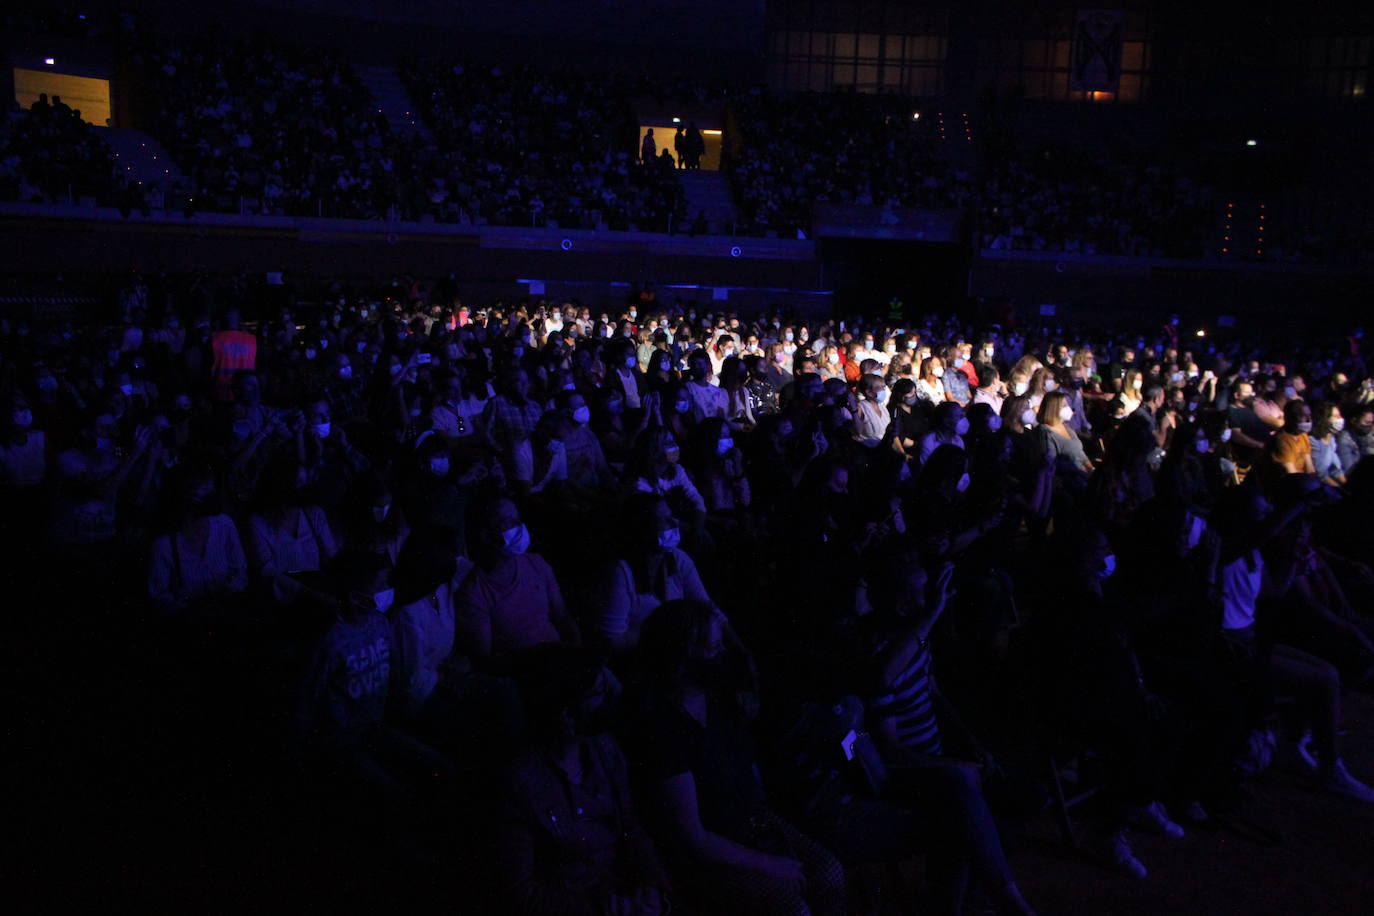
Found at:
(1339, 781)
(1152, 818)
(1114, 850)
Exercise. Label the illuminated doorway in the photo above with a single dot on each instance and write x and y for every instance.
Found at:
(86, 94)
(663, 139)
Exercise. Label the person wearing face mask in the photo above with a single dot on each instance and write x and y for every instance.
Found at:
(625, 375)
(656, 467)
(371, 520)
(569, 839)
(199, 557)
(697, 759)
(331, 460)
(958, 388)
(708, 400)
(871, 418)
(340, 710)
(1241, 569)
(990, 390)
(288, 533)
(550, 451)
(651, 570)
(830, 364)
(428, 572)
(1130, 397)
(947, 427)
(1327, 425)
(23, 449)
(509, 419)
(457, 411)
(511, 600)
(1289, 450)
(761, 392)
(587, 467)
(909, 422)
(717, 468)
(930, 386)
(344, 390)
(918, 771)
(1061, 443)
(1097, 691)
(1357, 439)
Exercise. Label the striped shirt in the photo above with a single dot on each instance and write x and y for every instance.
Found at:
(909, 701)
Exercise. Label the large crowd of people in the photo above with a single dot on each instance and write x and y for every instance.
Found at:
(809, 148)
(272, 128)
(517, 146)
(687, 607)
(50, 155)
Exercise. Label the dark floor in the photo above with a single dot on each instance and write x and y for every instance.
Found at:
(133, 789)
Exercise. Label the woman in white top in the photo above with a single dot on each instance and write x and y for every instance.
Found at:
(287, 535)
(428, 573)
(651, 571)
(1131, 385)
(201, 556)
(871, 419)
(929, 387)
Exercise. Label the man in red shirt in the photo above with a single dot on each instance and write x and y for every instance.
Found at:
(234, 350)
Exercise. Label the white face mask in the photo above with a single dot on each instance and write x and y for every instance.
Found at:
(1226, 435)
(631, 362)
(1337, 424)
(345, 372)
(515, 541)
(1138, 384)
(583, 414)
(322, 430)
(963, 483)
(1019, 388)
(961, 427)
(1028, 417)
(383, 599)
(1305, 426)
(438, 466)
(882, 396)
(938, 372)
(1203, 446)
(670, 538)
(958, 362)
(1066, 414)
(1108, 566)
(724, 445)
(994, 423)
(833, 358)
(1051, 384)
(987, 352)
(379, 513)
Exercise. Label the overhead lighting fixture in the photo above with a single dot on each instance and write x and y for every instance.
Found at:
(915, 116)
(49, 61)
(1252, 143)
(677, 120)
(710, 131)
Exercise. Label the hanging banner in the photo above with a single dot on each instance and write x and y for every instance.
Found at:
(1097, 40)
